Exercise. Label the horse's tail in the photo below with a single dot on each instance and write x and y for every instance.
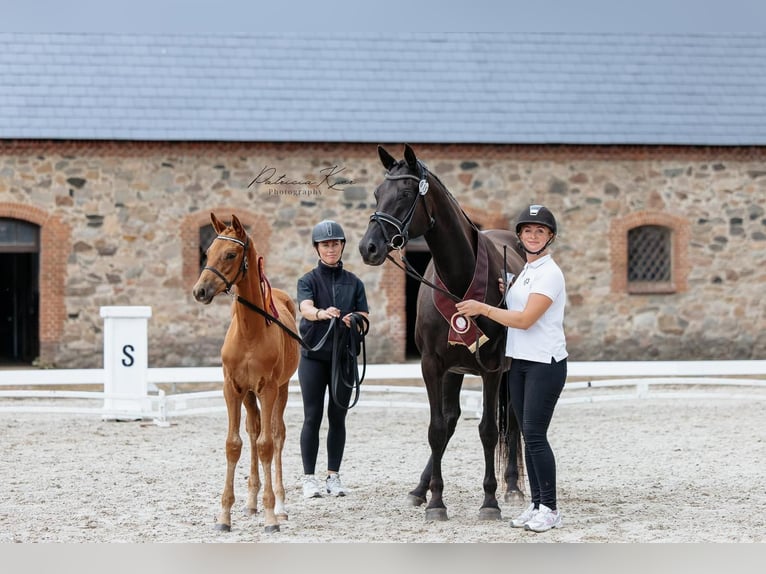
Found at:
(510, 450)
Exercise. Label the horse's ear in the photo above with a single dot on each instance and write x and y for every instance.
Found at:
(218, 225)
(239, 230)
(385, 158)
(409, 157)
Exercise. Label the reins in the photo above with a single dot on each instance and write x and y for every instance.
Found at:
(400, 239)
(346, 346)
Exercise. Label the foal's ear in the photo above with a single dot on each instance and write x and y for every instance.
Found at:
(238, 229)
(385, 158)
(409, 157)
(218, 225)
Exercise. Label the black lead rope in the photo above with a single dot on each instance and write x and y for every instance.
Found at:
(347, 345)
(294, 335)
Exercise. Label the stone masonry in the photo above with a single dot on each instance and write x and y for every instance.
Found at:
(120, 226)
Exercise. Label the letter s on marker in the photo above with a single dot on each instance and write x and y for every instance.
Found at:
(129, 360)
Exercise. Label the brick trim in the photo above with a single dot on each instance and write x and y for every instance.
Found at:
(618, 240)
(190, 236)
(55, 247)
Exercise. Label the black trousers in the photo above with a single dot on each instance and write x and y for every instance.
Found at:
(534, 390)
(315, 377)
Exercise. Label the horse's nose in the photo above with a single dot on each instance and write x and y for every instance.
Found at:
(367, 249)
(199, 293)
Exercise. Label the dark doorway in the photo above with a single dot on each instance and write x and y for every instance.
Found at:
(19, 292)
(419, 256)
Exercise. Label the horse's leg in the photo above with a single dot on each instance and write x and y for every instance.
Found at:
(279, 443)
(253, 426)
(488, 433)
(444, 398)
(418, 495)
(233, 451)
(515, 461)
(511, 448)
(265, 443)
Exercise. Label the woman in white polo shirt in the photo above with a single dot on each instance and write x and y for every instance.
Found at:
(536, 342)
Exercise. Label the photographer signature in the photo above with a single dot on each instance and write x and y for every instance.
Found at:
(268, 175)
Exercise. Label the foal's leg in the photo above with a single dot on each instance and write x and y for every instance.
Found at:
(279, 443)
(253, 426)
(265, 442)
(233, 451)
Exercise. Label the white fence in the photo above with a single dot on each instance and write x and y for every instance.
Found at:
(21, 390)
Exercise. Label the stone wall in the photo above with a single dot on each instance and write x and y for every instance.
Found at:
(120, 222)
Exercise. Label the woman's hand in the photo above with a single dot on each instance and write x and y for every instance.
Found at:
(471, 307)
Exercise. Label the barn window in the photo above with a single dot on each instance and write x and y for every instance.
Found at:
(650, 264)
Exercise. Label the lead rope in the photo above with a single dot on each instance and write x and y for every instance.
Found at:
(347, 345)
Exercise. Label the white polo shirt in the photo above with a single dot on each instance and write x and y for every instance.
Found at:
(545, 339)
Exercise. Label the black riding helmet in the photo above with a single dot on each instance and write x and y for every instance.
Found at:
(540, 215)
(327, 230)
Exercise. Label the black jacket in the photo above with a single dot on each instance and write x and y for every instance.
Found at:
(328, 287)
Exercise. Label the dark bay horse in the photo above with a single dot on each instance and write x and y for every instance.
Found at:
(258, 360)
(466, 262)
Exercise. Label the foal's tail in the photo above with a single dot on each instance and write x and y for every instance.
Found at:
(510, 450)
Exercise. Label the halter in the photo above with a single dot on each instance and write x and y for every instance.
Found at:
(242, 266)
(402, 236)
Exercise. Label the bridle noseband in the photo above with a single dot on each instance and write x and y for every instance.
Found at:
(242, 266)
(402, 236)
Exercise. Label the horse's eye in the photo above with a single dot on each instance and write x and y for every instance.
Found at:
(230, 256)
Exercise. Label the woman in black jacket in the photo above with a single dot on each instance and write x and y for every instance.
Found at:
(328, 291)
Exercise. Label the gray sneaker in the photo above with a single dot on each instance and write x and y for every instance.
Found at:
(334, 486)
(311, 487)
(524, 517)
(544, 519)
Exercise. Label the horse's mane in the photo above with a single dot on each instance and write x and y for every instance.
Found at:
(403, 163)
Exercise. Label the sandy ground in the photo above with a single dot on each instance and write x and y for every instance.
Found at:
(649, 470)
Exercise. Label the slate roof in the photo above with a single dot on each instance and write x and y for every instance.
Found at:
(434, 87)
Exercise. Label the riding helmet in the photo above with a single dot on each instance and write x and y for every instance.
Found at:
(536, 214)
(327, 230)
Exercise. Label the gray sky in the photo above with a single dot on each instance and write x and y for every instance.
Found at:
(252, 16)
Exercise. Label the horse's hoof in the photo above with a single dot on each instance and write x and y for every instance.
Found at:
(436, 515)
(490, 513)
(223, 527)
(513, 496)
(415, 500)
(271, 528)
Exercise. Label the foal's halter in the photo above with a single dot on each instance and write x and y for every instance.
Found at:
(355, 340)
(242, 266)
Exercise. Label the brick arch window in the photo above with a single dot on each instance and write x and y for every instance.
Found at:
(55, 247)
(196, 236)
(649, 253)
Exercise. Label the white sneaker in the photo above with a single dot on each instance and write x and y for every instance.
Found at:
(334, 485)
(311, 487)
(524, 517)
(544, 519)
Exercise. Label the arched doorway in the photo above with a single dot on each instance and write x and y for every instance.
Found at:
(19, 291)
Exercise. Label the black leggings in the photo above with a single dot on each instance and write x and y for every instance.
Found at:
(534, 391)
(315, 378)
